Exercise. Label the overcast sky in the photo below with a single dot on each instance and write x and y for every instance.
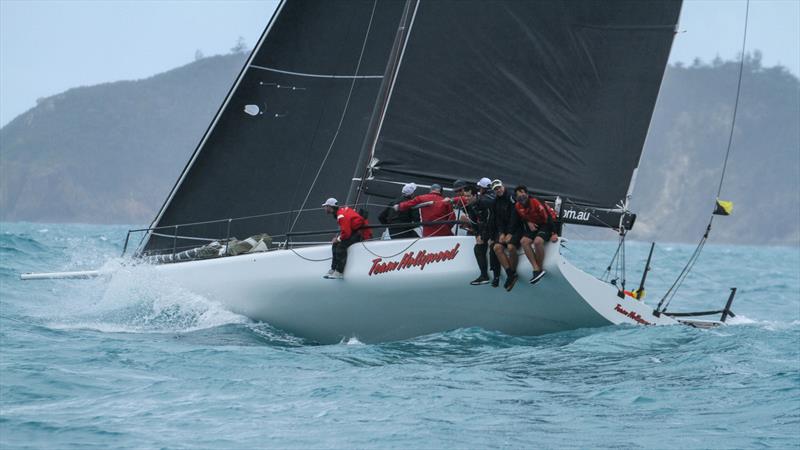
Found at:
(47, 47)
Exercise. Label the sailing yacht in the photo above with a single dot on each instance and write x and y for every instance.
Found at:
(354, 98)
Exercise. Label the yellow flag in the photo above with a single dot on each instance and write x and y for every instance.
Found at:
(724, 208)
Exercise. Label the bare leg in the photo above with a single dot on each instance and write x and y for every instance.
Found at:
(513, 256)
(527, 247)
(538, 248)
(499, 250)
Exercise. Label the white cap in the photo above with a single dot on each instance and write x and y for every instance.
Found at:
(409, 189)
(484, 182)
(331, 202)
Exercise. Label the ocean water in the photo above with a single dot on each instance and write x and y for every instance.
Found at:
(147, 365)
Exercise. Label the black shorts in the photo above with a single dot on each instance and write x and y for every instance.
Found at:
(516, 236)
(545, 231)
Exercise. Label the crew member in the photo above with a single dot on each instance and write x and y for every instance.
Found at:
(433, 208)
(463, 197)
(539, 223)
(389, 216)
(507, 232)
(351, 230)
(480, 214)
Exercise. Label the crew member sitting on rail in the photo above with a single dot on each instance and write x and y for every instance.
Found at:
(433, 208)
(351, 230)
(507, 232)
(390, 216)
(538, 220)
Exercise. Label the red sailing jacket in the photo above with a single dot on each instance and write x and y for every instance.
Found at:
(535, 211)
(438, 209)
(350, 221)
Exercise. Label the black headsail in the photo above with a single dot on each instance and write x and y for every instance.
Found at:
(555, 94)
(291, 130)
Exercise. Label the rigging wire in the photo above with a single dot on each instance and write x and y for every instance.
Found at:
(673, 290)
(442, 217)
(341, 119)
(309, 259)
(622, 259)
(736, 104)
(390, 256)
(613, 262)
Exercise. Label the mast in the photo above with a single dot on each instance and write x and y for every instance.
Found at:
(382, 103)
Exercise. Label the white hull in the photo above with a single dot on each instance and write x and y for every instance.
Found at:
(288, 292)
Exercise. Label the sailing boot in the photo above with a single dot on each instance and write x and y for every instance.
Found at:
(334, 275)
(511, 279)
(537, 275)
(483, 279)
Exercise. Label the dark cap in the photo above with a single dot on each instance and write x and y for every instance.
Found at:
(459, 184)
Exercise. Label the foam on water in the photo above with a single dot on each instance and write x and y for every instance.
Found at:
(134, 300)
(137, 362)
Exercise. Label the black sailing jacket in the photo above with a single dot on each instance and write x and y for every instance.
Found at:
(505, 215)
(390, 216)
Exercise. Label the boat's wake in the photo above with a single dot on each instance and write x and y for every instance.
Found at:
(137, 300)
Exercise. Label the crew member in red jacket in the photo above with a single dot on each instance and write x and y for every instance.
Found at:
(433, 208)
(539, 220)
(351, 230)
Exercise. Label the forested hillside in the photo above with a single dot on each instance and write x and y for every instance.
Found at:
(683, 158)
(110, 153)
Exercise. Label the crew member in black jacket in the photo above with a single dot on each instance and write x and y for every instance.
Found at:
(480, 213)
(390, 216)
(507, 232)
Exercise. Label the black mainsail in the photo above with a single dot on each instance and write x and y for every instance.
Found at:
(554, 94)
(557, 95)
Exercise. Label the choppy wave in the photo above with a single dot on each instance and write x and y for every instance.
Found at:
(138, 362)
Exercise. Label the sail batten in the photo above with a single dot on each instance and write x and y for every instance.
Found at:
(284, 139)
(557, 95)
(316, 75)
(147, 240)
